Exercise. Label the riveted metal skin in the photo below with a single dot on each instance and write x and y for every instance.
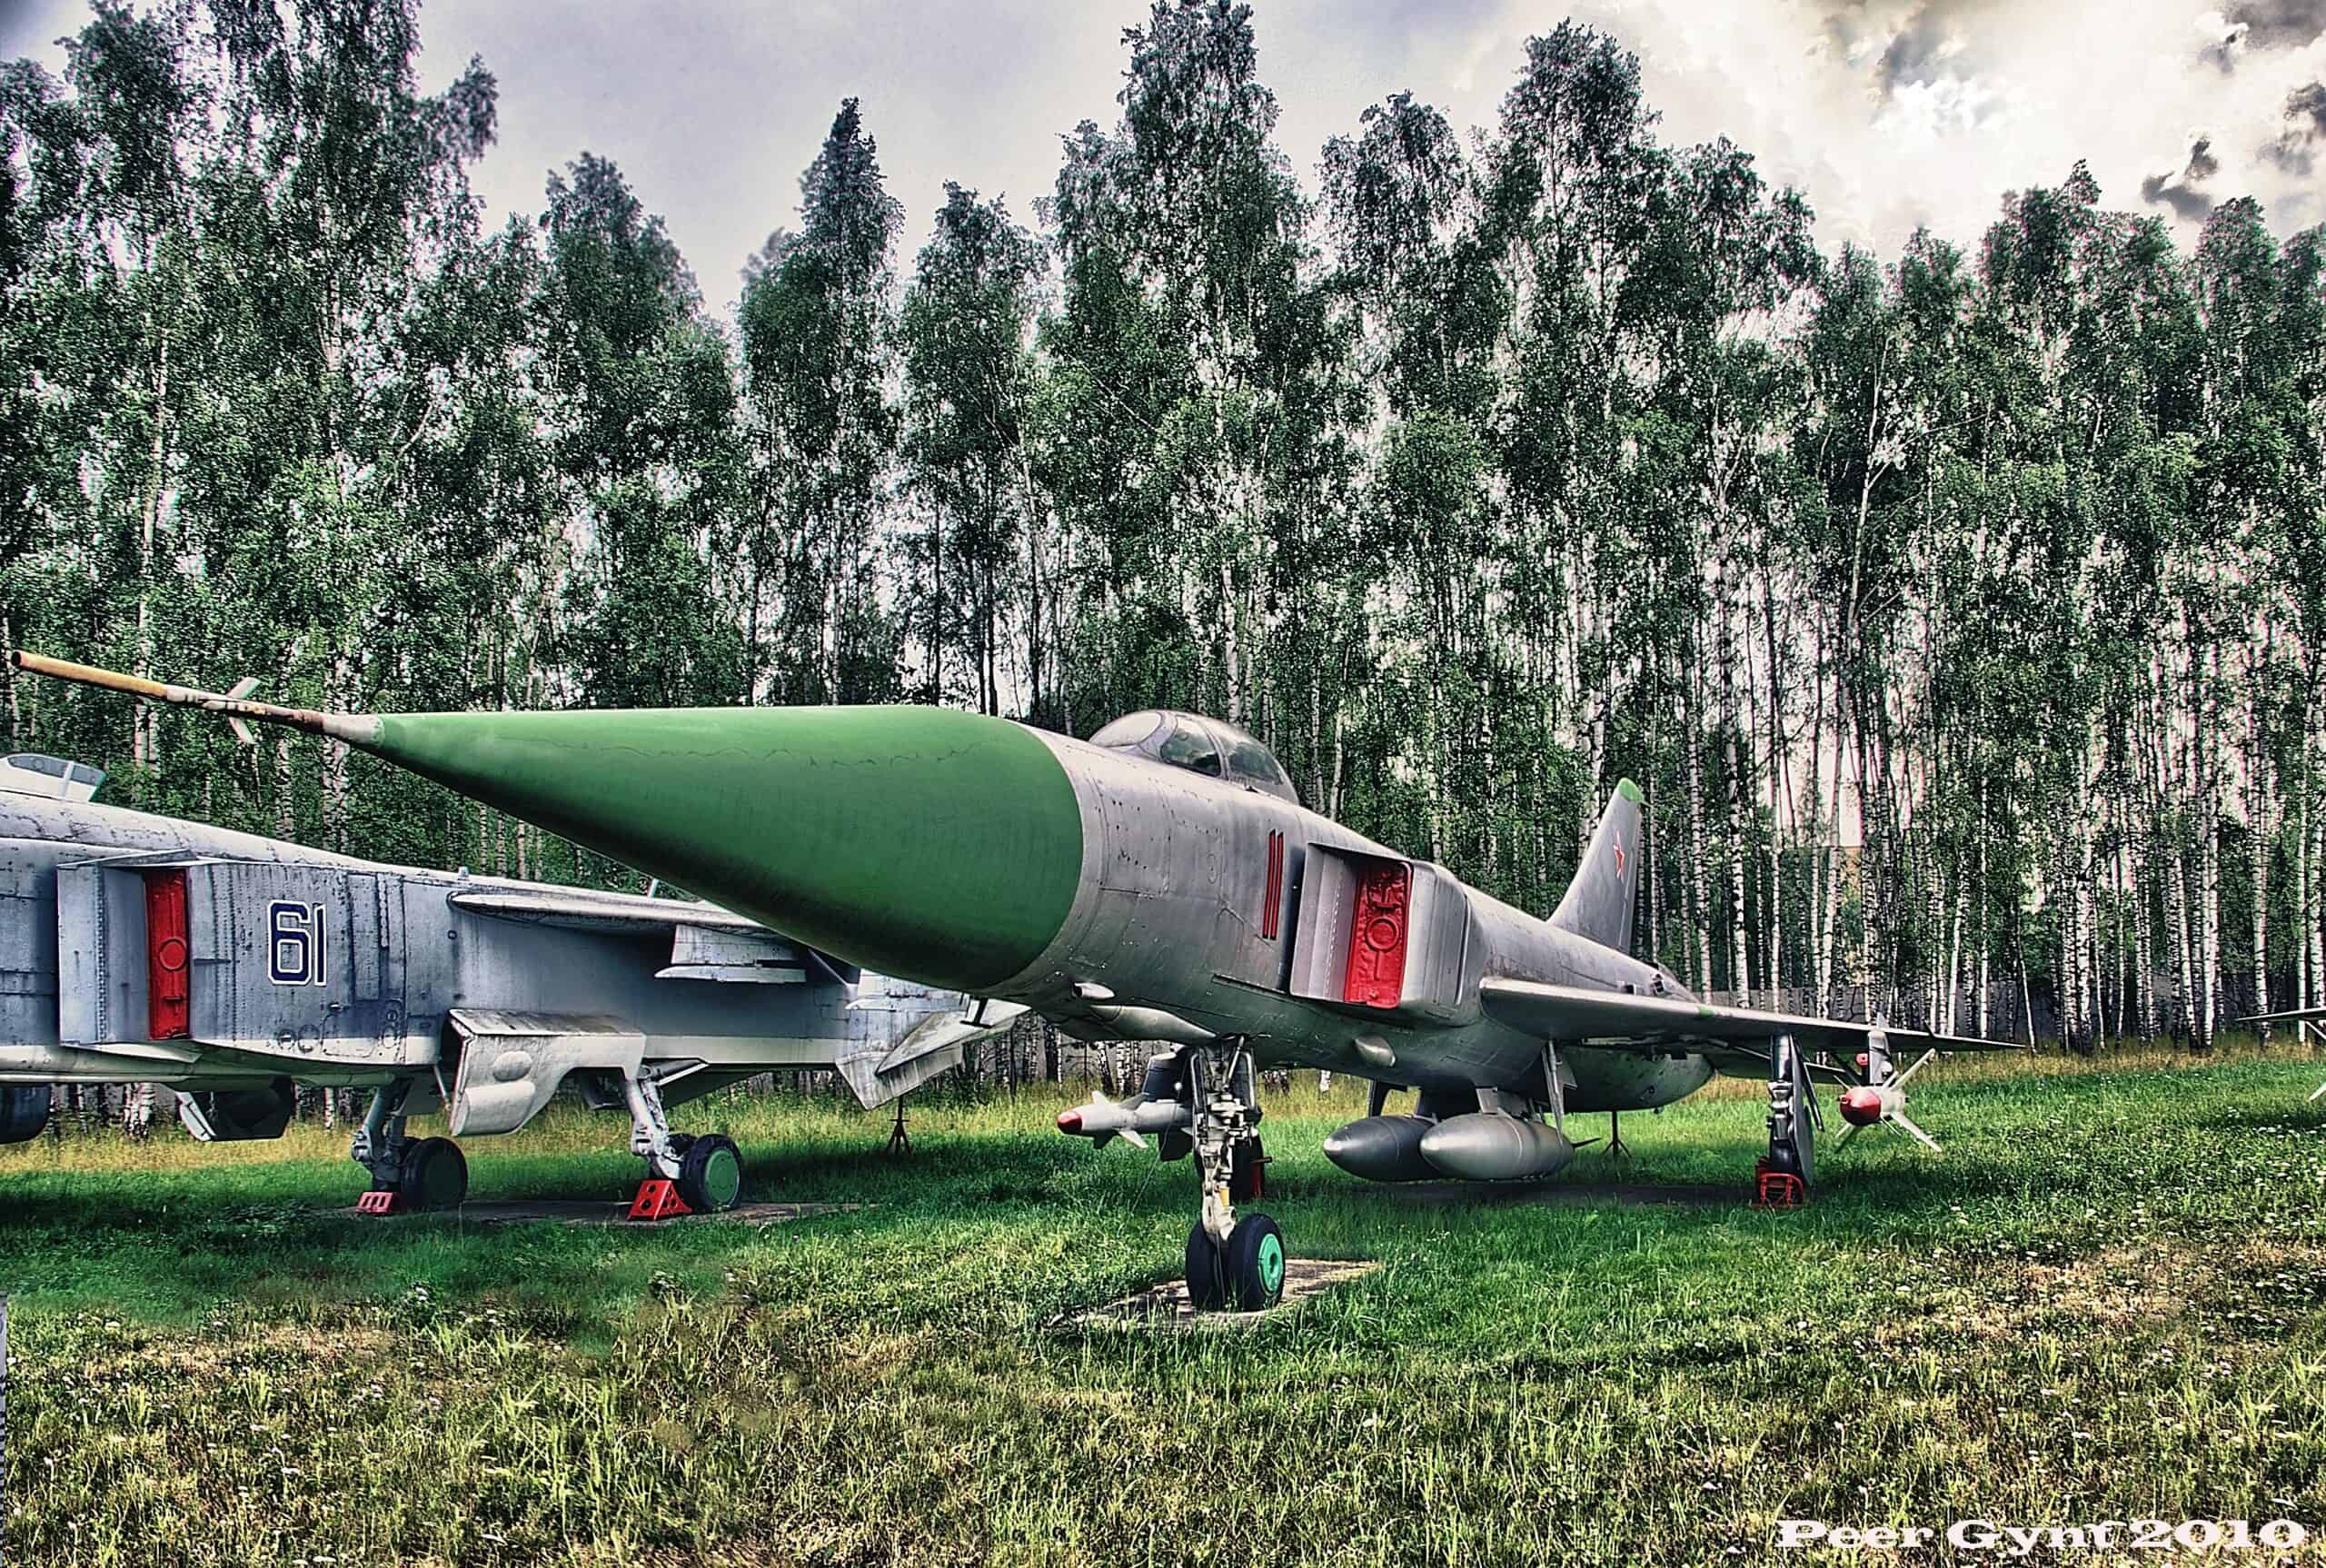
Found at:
(405, 972)
(1169, 907)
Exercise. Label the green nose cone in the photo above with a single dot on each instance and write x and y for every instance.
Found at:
(935, 846)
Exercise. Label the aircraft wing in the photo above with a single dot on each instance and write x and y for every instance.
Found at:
(1618, 1020)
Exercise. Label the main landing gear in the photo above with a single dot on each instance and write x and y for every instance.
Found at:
(1231, 1262)
(407, 1173)
(685, 1173)
(1794, 1125)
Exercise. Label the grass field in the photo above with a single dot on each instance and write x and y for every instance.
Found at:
(2105, 1302)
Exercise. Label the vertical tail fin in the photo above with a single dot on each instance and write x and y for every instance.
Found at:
(1599, 900)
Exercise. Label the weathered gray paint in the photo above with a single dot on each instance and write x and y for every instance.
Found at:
(1173, 860)
(404, 950)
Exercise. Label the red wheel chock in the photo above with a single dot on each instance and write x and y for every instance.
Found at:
(658, 1198)
(381, 1200)
(1777, 1190)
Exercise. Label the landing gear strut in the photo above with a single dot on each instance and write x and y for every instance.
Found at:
(1231, 1262)
(1794, 1123)
(407, 1173)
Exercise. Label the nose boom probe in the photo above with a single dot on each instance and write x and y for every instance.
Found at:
(356, 728)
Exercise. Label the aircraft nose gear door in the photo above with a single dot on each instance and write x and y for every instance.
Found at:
(1231, 1262)
(1793, 1123)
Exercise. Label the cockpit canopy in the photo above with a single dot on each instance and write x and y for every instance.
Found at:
(1200, 745)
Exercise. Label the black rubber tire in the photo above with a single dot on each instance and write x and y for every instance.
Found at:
(711, 1174)
(1247, 1172)
(434, 1174)
(1207, 1271)
(1255, 1263)
(23, 1113)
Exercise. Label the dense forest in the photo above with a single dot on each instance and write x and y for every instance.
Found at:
(1960, 612)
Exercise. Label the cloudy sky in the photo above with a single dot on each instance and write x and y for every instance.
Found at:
(1888, 113)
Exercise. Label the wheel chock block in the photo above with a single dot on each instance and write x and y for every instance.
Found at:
(658, 1198)
(382, 1200)
(1778, 1190)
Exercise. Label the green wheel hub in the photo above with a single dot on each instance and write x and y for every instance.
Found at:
(711, 1174)
(1254, 1263)
(722, 1177)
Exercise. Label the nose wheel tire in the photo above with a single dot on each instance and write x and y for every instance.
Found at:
(711, 1175)
(1246, 1275)
(434, 1175)
(1255, 1257)
(1207, 1271)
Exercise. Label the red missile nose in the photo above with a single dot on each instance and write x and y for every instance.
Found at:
(1070, 1121)
(1861, 1107)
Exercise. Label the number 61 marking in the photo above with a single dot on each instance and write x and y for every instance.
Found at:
(294, 944)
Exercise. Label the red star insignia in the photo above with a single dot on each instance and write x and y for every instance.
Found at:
(1619, 856)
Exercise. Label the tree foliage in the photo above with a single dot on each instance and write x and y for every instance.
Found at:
(1960, 613)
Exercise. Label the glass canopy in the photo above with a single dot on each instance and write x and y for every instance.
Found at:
(1200, 745)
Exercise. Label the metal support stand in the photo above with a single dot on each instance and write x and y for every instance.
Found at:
(1617, 1148)
(899, 1140)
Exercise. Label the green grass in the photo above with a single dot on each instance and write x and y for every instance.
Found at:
(2105, 1302)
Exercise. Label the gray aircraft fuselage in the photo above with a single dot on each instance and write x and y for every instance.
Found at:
(1172, 915)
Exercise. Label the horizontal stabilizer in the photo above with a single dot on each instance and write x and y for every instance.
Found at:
(581, 909)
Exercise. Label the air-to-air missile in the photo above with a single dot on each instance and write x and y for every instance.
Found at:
(1158, 882)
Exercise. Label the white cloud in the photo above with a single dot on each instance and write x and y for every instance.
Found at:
(1887, 113)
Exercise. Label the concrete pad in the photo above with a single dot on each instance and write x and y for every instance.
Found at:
(1166, 1309)
(556, 1211)
(1589, 1195)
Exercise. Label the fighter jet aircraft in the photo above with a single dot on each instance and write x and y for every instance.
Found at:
(232, 968)
(1158, 882)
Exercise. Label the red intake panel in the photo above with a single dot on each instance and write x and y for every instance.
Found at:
(169, 996)
(1377, 938)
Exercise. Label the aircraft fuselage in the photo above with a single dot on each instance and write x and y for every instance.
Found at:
(1178, 910)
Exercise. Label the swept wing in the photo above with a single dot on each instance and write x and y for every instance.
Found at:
(1729, 1036)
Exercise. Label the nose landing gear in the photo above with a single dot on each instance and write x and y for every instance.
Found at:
(1231, 1262)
